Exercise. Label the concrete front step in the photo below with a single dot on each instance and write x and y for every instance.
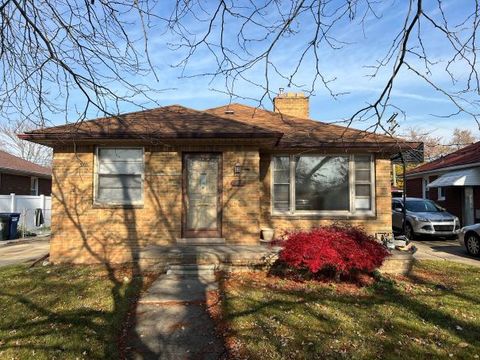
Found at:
(191, 269)
(224, 257)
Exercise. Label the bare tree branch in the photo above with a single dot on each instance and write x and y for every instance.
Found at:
(245, 41)
(57, 56)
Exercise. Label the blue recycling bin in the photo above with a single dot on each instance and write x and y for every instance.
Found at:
(12, 225)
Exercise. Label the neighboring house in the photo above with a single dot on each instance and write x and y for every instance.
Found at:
(453, 181)
(23, 177)
(174, 175)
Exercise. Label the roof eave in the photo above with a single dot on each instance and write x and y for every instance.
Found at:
(442, 169)
(52, 140)
(24, 172)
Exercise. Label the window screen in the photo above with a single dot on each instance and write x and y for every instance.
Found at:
(363, 182)
(281, 183)
(120, 175)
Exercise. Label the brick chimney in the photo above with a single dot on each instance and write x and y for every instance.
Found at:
(292, 103)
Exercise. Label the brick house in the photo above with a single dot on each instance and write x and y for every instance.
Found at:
(453, 181)
(23, 177)
(174, 175)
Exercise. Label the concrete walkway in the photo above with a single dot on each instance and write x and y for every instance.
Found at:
(443, 250)
(172, 322)
(18, 251)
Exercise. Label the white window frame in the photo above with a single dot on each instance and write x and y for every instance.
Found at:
(351, 183)
(34, 185)
(441, 197)
(425, 189)
(96, 201)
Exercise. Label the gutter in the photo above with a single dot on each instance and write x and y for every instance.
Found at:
(5, 170)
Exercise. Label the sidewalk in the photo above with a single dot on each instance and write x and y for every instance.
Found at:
(443, 250)
(23, 251)
(25, 240)
(172, 322)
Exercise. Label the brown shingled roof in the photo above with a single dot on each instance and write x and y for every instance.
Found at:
(169, 122)
(307, 132)
(229, 121)
(14, 164)
(467, 155)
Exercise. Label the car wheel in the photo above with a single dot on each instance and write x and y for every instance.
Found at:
(409, 233)
(472, 243)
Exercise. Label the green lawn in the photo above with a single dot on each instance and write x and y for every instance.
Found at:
(64, 312)
(434, 313)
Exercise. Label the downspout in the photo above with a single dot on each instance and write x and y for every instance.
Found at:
(404, 195)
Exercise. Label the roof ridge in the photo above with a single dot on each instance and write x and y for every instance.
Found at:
(316, 122)
(112, 116)
(239, 122)
(167, 107)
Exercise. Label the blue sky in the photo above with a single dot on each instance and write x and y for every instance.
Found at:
(365, 46)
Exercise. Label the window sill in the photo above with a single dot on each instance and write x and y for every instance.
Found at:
(117, 206)
(324, 217)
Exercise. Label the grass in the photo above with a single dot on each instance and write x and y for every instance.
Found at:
(434, 313)
(64, 312)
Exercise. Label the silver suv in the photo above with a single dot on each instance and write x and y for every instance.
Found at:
(424, 217)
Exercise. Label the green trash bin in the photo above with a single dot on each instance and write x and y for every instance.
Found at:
(4, 226)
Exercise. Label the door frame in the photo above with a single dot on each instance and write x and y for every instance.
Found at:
(468, 211)
(202, 233)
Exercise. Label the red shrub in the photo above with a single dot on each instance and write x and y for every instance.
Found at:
(338, 249)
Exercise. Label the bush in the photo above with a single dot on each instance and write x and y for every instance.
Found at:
(332, 251)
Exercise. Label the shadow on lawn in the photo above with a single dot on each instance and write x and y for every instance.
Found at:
(324, 323)
(51, 326)
(107, 236)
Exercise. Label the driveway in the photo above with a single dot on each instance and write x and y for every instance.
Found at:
(22, 252)
(443, 250)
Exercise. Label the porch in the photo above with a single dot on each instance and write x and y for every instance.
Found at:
(218, 256)
(198, 259)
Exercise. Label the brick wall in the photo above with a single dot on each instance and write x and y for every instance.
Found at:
(44, 186)
(414, 187)
(241, 204)
(294, 104)
(17, 184)
(380, 223)
(20, 185)
(453, 201)
(83, 232)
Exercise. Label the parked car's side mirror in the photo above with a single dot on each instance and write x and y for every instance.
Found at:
(398, 208)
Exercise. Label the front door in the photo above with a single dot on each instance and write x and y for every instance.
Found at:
(202, 180)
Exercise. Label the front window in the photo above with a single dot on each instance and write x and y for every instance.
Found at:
(119, 176)
(425, 188)
(34, 186)
(441, 193)
(323, 184)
